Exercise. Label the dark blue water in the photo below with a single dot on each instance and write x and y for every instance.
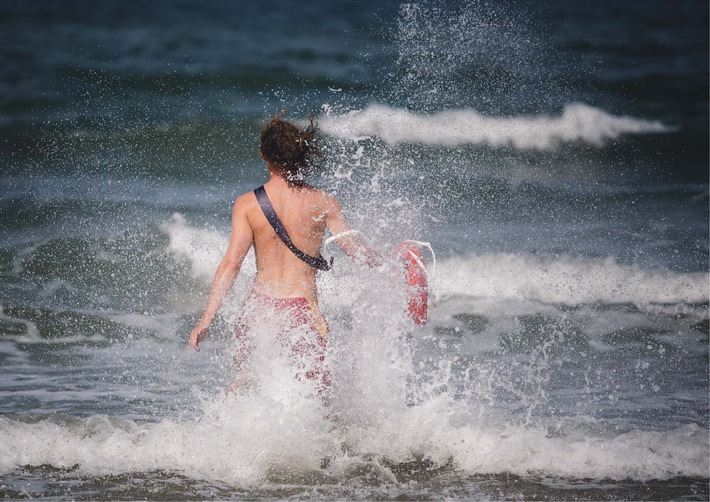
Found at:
(555, 155)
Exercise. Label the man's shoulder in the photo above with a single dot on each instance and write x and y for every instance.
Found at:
(328, 199)
(244, 202)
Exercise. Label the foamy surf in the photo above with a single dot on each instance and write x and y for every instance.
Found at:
(568, 280)
(242, 441)
(577, 123)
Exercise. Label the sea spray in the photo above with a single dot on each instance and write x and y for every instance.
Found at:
(476, 54)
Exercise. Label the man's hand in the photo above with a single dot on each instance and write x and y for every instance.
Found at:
(196, 336)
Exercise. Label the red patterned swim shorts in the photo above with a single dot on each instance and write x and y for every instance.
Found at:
(300, 328)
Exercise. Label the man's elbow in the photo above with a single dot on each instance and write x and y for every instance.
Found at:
(230, 265)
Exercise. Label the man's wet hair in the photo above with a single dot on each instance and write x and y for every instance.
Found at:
(285, 146)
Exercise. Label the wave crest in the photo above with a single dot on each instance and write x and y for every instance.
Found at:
(568, 280)
(578, 122)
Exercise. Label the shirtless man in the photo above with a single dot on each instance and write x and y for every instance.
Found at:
(284, 282)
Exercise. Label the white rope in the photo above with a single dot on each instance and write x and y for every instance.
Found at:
(336, 237)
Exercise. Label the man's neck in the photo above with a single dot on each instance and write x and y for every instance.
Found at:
(278, 179)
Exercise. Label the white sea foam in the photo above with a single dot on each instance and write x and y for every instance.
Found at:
(441, 430)
(202, 248)
(238, 445)
(578, 122)
(241, 440)
(567, 280)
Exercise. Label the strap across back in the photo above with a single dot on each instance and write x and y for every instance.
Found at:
(265, 204)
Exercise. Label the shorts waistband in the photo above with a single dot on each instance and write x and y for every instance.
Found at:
(289, 301)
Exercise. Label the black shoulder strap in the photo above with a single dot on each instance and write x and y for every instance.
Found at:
(265, 204)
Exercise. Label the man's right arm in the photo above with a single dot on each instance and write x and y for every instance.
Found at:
(228, 269)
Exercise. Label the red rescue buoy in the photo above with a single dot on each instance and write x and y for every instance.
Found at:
(416, 280)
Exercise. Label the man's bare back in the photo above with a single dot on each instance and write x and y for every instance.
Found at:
(306, 212)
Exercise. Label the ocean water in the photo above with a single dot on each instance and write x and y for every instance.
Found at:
(554, 154)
